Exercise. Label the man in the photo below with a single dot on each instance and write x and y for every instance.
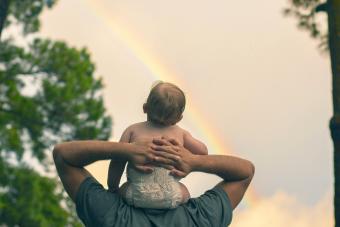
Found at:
(98, 207)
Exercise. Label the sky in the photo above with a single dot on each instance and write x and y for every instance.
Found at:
(256, 87)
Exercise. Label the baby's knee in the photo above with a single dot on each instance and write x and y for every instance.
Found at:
(185, 193)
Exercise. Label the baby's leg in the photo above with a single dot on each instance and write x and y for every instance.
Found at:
(185, 193)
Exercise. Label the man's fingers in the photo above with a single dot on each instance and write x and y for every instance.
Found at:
(173, 156)
(161, 142)
(165, 137)
(177, 173)
(144, 169)
(169, 167)
(166, 149)
(151, 156)
(164, 161)
(174, 142)
(171, 140)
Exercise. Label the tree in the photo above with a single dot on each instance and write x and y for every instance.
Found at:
(305, 11)
(48, 94)
(24, 193)
(3, 13)
(24, 12)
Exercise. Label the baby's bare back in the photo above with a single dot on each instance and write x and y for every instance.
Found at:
(158, 190)
(146, 131)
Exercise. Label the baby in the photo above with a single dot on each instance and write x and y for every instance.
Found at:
(158, 190)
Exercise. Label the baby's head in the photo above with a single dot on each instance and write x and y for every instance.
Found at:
(165, 104)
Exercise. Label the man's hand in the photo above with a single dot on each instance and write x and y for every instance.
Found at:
(178, 157)
(141, 156)
(237, 173)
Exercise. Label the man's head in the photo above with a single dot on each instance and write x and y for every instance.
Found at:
(165, 104)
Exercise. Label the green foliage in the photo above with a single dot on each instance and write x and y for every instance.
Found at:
(26, 13)
(30, 199)
(66, 104)
(306, 12)
(48, 94)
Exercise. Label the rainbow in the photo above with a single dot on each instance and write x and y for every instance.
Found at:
(214, 142)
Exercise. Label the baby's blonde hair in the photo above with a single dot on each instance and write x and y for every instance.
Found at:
(165, 103)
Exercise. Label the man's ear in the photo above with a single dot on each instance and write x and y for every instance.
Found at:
(145, 108)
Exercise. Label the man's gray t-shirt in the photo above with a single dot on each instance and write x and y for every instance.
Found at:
(98, 207)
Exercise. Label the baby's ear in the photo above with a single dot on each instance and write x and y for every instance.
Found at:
(178, 120)
(145, 108)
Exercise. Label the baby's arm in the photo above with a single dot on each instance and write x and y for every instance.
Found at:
(116, 167)
(194, 145)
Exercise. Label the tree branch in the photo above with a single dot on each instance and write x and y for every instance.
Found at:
(323, 7)
(3, 13)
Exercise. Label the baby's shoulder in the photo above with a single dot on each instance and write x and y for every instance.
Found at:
(136, 126)
(179, 130)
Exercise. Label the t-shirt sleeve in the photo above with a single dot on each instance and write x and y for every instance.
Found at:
(93, 202)
(213, 208)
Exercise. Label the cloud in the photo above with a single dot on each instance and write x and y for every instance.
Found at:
(282, 210)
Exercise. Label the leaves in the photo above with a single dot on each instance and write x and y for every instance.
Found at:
(305, 13)
(48, 94)
(67, 104)
(26, 13)
(30, 199)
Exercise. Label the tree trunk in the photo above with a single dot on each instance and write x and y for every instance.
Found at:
(3, 13)
(334, 46)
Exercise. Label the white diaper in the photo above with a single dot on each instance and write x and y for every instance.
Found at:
(157, 190)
